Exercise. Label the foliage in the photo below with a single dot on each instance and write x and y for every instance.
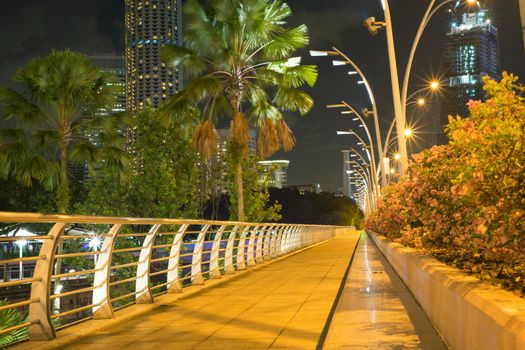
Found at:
(465, 202)
(56, 109)
(10, 318)
(257, 198)
(164, 180)
(16, 197)
(317, 208)
(237, 59)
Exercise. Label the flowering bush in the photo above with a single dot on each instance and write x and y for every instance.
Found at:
(465, 202)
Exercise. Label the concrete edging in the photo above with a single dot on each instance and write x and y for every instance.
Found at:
(468, 313)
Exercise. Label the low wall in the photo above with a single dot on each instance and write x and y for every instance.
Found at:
(468, 314)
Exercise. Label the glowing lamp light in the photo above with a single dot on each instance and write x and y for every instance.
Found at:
(94, 243)
(421, 101)
(408, 132)
(21, 243)
(397, 156)
(434, 85)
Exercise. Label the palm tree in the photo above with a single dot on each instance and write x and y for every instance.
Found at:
(237, 56)
(59, 122)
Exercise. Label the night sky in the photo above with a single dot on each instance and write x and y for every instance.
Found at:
(30, 28)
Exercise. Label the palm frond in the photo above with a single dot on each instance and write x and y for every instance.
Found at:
(240, 132)
(286, 136)
(17, 106)
(10, 318)
(293, 100)
(178, 57)
(287, 42)
(85, 151)
(268, 139)
(205, 139)
(35, 167)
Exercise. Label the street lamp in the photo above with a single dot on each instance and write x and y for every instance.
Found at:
(363, 81)
(21, 245)
(359, 118)
(400, 99)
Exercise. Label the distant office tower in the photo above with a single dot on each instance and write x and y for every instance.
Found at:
(112, 63)
(149, 25)
(471, 52)
(274, 172)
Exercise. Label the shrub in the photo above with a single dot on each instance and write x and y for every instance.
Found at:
(465, 202)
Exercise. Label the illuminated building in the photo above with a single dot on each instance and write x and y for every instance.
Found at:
(274, 172)
(149, 25)
(471, 52)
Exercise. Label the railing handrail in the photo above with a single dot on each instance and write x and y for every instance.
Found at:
(121, 261)
(27, 217)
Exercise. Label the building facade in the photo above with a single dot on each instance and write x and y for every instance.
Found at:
(471, 52)
(150, 24)
(274, 172)
(111, 62)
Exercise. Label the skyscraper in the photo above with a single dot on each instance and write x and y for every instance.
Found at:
(471, 52)
(149, 25)
(110, 62)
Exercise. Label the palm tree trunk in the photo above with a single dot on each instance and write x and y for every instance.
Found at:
(63, 186)
(240, 190)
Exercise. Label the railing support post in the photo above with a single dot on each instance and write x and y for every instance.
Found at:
(228, 254)
(172, 276)
(39, 312)
(250, 260)
(215, 272)
(196, 259)
(101, 294)
(241, 263)
(259, 245)
(142, 288)
(267, 248)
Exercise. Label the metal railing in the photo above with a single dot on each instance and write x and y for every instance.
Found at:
(82, 267)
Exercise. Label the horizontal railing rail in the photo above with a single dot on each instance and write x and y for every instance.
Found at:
(58, 270)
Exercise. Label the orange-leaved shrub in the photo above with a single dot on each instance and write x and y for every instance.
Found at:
(464, 202)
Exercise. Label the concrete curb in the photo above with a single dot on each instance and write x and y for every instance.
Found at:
(468, 313)
(75, 332)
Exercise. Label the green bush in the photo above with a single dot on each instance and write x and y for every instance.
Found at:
(465, 202)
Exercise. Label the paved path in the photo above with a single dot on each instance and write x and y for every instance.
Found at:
(288, 304)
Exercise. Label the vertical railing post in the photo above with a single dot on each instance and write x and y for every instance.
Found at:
(172, 276)
(143, 292)
(196, 259)
(259, 245)
(267, 249)
(101, 293)
(228, 254)
(39, 312)
(279, 240)
(273, 241)
(215, 272)
(250, 255)
(241, 263)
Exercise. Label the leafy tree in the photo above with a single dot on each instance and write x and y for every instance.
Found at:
(317, 208)
(56, 108)
(164, 180)
(257, 205)
(237, 60)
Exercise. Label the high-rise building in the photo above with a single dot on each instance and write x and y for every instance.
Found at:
(274, 172)
(471, 52)
(149, 25)
(111, 62)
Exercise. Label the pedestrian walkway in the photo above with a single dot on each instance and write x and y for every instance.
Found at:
(376, 311)
(289, 304)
